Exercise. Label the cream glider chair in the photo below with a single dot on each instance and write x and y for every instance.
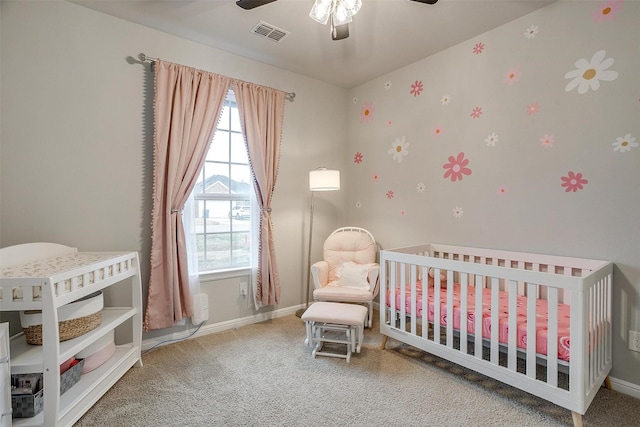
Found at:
(349, 272)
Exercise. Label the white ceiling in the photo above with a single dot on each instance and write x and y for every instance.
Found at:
(385, 34)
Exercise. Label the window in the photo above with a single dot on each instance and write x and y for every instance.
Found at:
(222, 198)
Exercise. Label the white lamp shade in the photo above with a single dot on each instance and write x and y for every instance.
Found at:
(323, 179)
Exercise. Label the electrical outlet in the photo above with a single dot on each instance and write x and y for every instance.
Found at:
(634, 340)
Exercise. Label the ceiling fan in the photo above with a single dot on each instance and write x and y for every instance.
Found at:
(338, 12)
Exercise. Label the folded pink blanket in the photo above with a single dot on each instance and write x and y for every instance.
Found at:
(503, 315)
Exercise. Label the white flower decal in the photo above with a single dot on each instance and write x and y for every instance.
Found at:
(387, 85)
(421, 187)
(491, 140)
(399, 149)
(588, 74)
(358, 204)
(624, 144)
(531, 32)
(457, 212)
(446, 99)
(355, 99)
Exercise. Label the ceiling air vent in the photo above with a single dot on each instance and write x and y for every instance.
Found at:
(270, 32)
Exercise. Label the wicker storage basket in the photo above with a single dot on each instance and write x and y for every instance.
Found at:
(75, 319)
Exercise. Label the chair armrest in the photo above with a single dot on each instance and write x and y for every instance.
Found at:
(374, 279)
(320, 274)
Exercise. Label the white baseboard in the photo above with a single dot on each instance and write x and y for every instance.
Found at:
(218, 327)
(625, 387)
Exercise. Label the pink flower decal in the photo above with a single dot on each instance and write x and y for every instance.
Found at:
(403, 213)
(478, 48)
(366, 113)
(357, 158)
(513, 75)
(390, 194)
(573, 182)
(456, 167)
(607, 11)
(416, 88)
(547, 141)
(437, 131)
(389, 122)
(502, 190)
(533, 108)
(375, 177)
(476, 113)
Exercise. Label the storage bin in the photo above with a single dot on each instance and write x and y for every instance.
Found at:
(74, 319)
(94, 355)
(30, 405)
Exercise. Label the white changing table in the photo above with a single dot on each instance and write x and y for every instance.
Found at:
(45, 276)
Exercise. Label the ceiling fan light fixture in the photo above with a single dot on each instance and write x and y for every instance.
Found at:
(351, 6)
(341, 16)
(340, 11)
(321, 11)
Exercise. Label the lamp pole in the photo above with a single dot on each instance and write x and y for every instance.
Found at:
(306, 300)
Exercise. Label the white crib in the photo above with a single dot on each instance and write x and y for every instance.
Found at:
(511, 287)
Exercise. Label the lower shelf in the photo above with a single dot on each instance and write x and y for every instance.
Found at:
(92, 385)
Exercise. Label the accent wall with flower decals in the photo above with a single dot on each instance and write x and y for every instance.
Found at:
(524, 138)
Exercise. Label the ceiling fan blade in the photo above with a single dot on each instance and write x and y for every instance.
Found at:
(427, 1)
(251, 4)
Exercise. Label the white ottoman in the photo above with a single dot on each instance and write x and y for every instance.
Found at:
(334, 316)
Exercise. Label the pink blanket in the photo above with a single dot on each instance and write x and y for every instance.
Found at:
(503, 303)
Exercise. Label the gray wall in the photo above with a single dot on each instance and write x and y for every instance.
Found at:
(535, 214)
(77, 139)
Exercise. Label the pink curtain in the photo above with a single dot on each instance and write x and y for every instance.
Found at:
(261, 115)
(187, 106)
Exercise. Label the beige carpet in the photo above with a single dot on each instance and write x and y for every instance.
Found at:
(263, 375)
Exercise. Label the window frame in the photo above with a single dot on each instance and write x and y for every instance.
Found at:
(229, 271)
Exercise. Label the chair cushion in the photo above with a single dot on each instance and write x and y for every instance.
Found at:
(338, 293)
(352, 275)
(336, 313)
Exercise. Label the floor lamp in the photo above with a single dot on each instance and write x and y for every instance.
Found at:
(320, 179)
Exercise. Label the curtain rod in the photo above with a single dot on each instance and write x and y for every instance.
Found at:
(290, 96)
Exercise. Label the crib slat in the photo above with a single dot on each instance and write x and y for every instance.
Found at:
(450, 310)
(412, 273)
(531, 330)
(512, 361)
(592, 327)
(579, 312)
(495, 321)
(425, 303)
(552, 336)
(478, 317)
(392, 292)
(464, 311)
(436, 306)
(403, 308)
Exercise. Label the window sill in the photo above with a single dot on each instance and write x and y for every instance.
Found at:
(209, 276)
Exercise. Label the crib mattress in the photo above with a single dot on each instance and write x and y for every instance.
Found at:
(503, 303)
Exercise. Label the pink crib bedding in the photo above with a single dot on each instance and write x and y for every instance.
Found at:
(521, 335)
